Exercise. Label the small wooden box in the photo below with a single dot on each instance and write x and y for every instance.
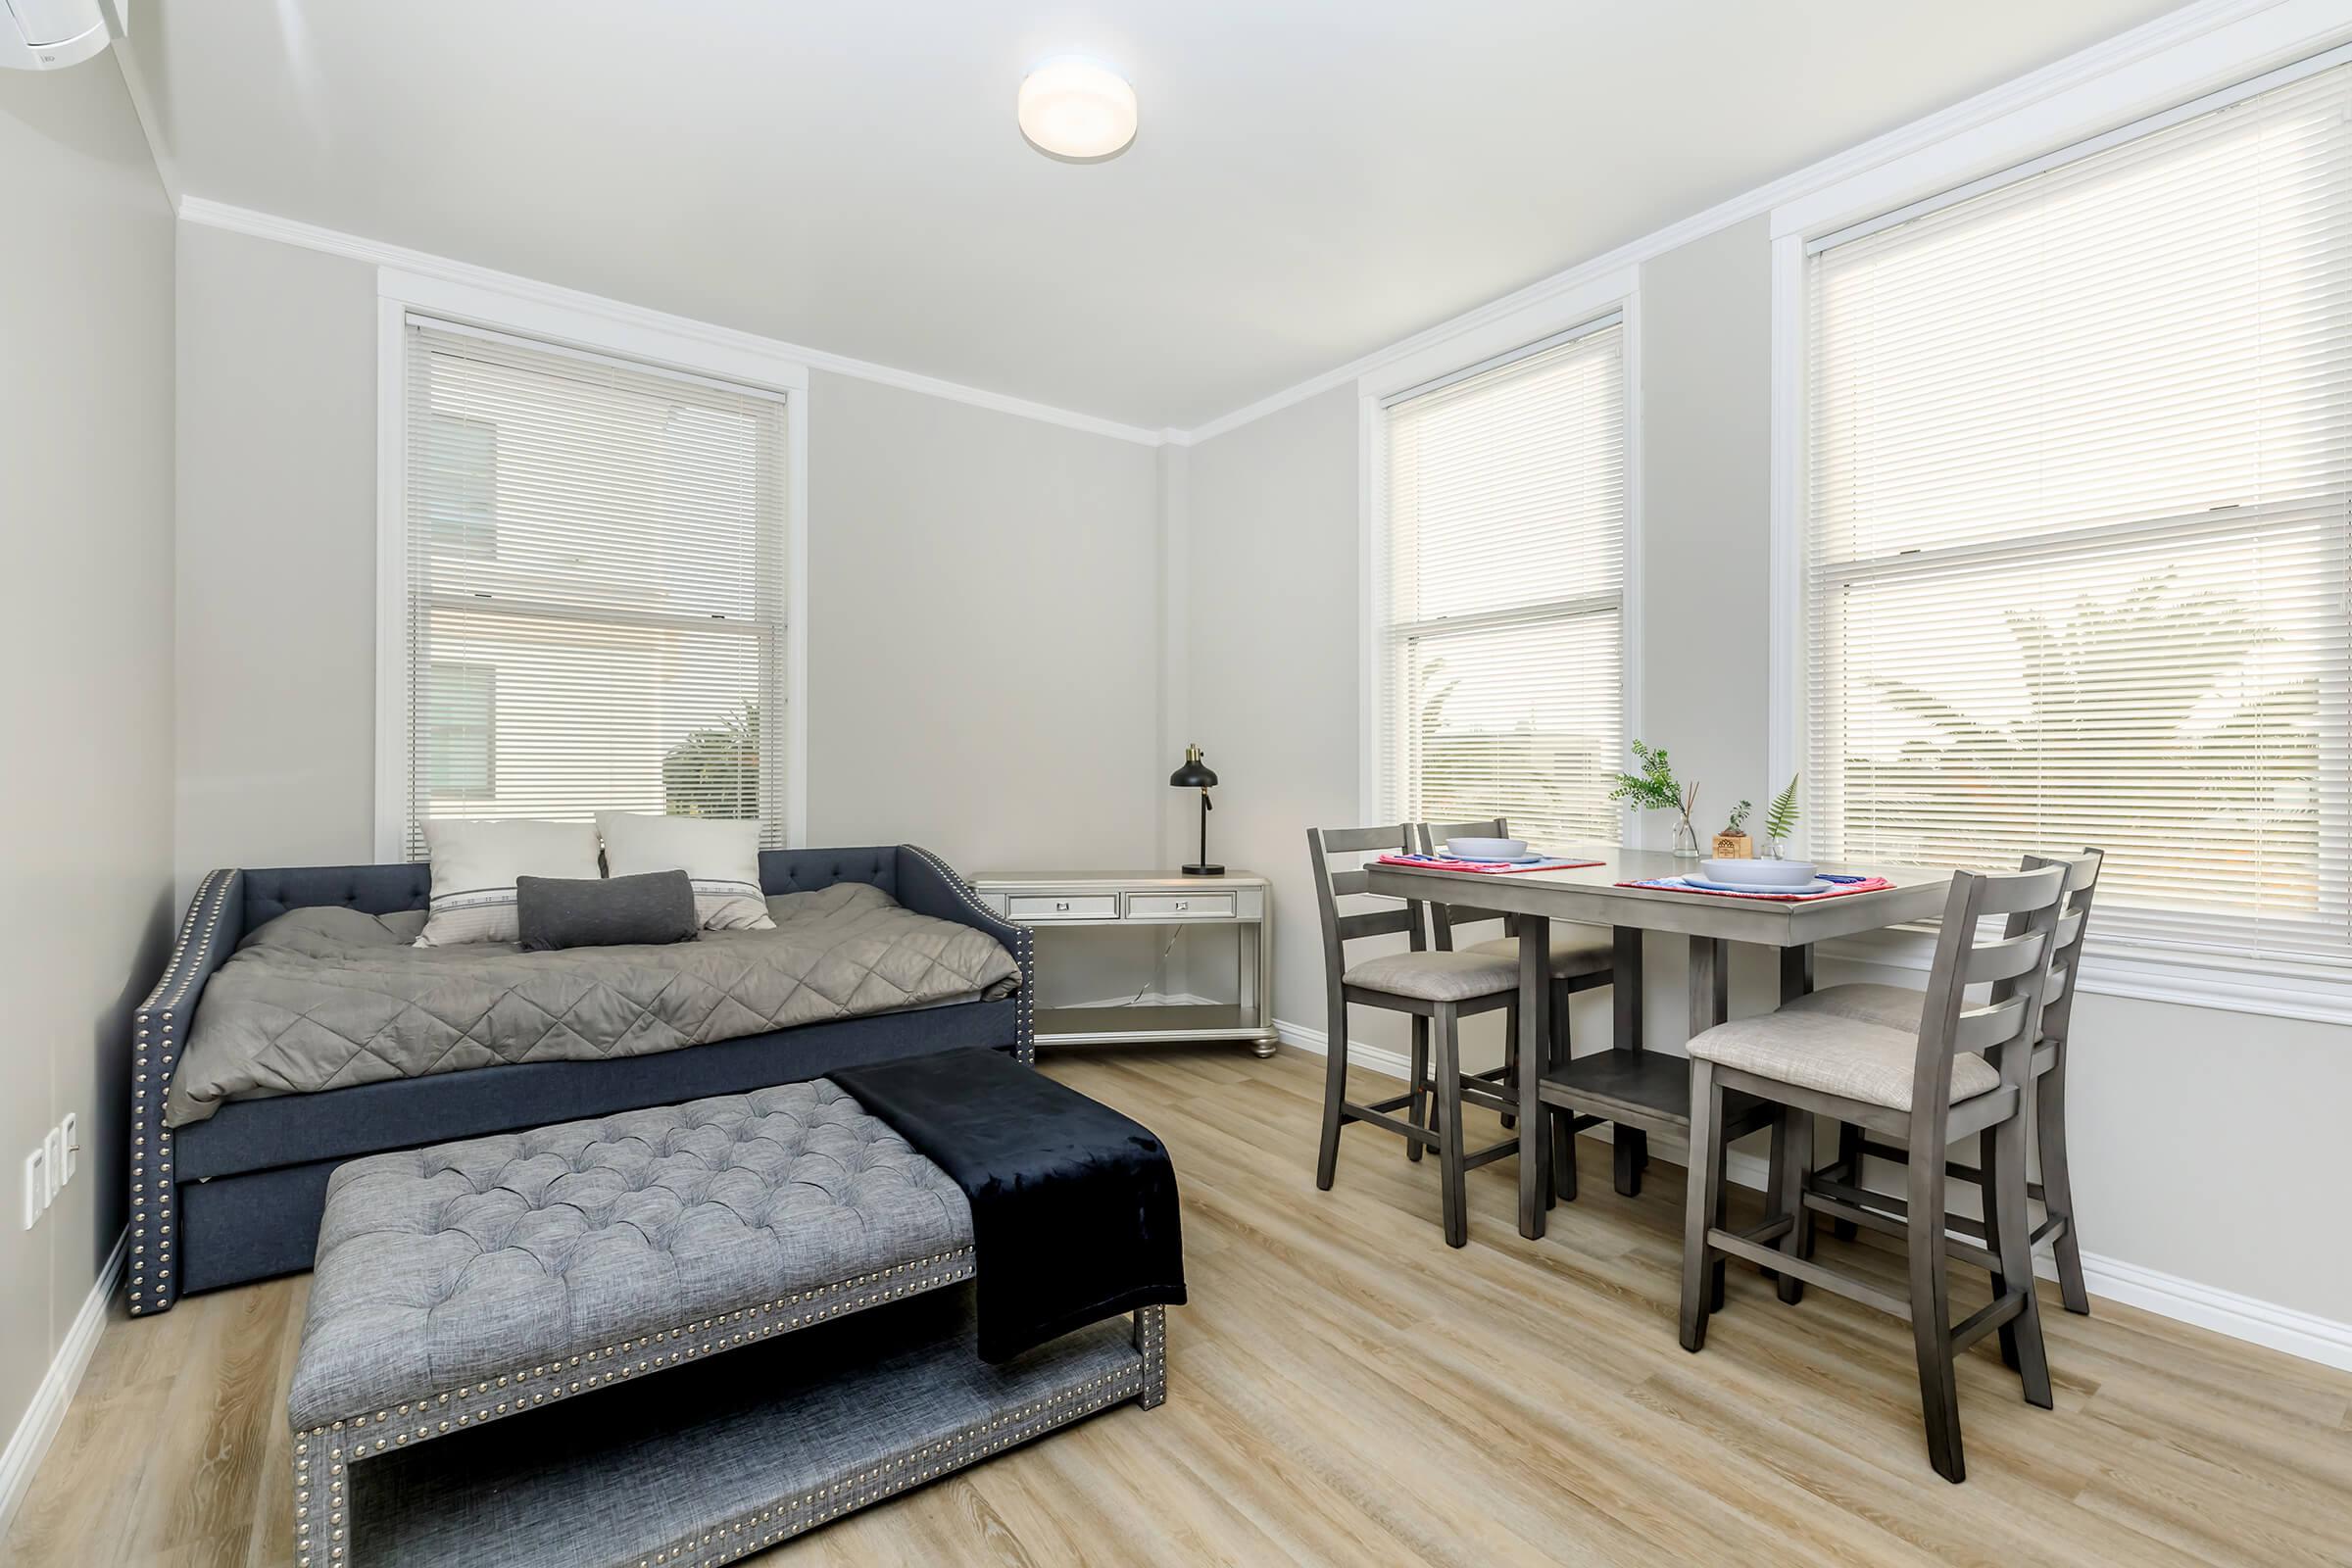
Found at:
(1734, 847)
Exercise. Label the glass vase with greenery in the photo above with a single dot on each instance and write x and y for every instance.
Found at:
(1655, 789)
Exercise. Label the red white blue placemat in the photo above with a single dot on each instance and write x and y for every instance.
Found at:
(1846, 885)
(1439, 862)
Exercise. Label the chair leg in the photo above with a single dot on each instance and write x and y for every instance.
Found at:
(2007, 1198)
(1931, 1312)
(1792, 1157)
(1418, 1111)
(2057, 1186)
(1995, 1219)
(1511, 1047)
(1334, 1093)
(1555, 1058)
(1850, 1155)
(1700, 1201)
(1449, 1133)
(1719, 1270)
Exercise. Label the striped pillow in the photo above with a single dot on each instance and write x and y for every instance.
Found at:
(475, 868)
(722, 857)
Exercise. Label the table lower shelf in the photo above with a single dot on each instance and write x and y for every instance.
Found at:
(1644, 1089)
(719, 1459)
(1159, 1021)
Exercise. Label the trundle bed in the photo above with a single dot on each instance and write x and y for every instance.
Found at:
(702, 1329)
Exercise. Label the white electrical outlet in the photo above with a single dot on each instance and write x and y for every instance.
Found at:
(37, 1187)
(53, 1165)
(70, 1131)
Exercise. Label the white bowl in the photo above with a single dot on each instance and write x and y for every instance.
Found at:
(1486, 849)
(1759, 873)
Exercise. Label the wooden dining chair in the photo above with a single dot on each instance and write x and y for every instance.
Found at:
(1965, 1070)
(1438, 988)
(1582, 959)
(1898, 1007)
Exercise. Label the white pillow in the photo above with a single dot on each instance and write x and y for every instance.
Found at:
(475, 868)
(720, 858)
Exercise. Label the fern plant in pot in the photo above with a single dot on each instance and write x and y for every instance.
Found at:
(1779, 821)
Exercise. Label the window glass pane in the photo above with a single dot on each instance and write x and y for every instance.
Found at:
(2079, 463)
(595, 588)
(1502, 688)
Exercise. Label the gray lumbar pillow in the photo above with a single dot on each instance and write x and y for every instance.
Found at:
(605, 911)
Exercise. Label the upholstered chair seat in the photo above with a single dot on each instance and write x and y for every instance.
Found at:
(1437, 976)
(1836, 1056)
(1888, 1006)
(1576, 949)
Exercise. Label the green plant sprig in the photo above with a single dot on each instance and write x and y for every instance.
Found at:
(1780, 818)
(1655, 789)
(1738, 821)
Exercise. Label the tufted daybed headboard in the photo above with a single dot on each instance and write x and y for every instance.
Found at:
(382, 889)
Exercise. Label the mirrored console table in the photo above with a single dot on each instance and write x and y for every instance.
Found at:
(1126, 900)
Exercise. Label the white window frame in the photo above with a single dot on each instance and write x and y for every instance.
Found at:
(1615, 293)
(2231, 61)
(564, 321)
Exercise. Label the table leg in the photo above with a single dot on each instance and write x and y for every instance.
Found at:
(1631, 1151)
(1534, 1036)
(1710, 1003)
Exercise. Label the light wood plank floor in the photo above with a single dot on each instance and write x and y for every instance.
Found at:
(1345, 1390)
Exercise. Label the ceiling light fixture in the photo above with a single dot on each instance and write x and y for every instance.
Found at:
(1077, 110)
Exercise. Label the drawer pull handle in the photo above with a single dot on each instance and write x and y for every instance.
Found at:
(1061, 904)
(1183, 905)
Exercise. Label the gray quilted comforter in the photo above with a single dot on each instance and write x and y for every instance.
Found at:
(323, 997)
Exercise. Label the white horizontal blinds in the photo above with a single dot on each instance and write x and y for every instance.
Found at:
(595, 587)
(2079, 460)
(1502, 692)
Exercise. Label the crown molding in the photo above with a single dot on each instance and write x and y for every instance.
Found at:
(423, 263)
(2183, 25)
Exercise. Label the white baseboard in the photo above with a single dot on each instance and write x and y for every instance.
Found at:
(2241, 1317)
(33, 1434)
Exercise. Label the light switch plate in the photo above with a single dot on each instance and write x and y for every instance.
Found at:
(53, 1165)
(70, 1133)
(36, 1179)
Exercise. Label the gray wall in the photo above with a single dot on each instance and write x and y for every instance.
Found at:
(86, 635)
(2204, 1140)
(984, 660)
(983, 650)
(276, 581)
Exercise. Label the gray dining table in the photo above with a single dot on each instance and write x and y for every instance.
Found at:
(1644, 1089)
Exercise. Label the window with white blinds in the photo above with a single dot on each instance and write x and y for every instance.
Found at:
(596, 595)
(1502, 686)
(2078, 458)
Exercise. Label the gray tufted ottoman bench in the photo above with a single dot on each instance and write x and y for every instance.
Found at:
(668, 1337)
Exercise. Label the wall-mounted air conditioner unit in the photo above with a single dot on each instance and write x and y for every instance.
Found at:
(44, 34)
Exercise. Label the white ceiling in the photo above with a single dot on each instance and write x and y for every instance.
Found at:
(1312, 181)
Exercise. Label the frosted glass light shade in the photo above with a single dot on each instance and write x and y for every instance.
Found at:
(1077, 110)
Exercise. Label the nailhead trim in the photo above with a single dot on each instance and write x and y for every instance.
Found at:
(1147, 1384)
(155, 1036)
(1024, 952)
(505, 1394)
(789, 1517)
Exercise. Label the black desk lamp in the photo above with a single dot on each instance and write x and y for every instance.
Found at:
(1196, 774)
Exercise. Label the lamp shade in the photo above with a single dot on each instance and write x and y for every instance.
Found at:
(1194, 774)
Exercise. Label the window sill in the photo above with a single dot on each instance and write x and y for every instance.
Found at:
(2278, 988)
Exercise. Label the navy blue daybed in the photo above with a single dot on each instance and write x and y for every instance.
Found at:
(237, 1197)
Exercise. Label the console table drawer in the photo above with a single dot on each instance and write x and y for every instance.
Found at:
(1062, 907)
(1180, 907)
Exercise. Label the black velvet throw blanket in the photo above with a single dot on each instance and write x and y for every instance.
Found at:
(1073, 1205)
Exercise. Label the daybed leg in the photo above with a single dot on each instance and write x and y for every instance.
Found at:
(1152, 1338)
